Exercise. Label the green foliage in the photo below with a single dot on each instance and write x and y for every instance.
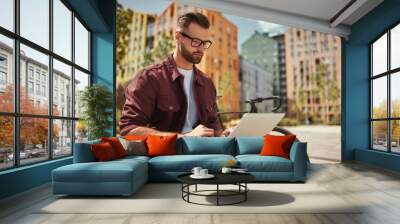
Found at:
(96, 102)
(163, 47)
(286, 121)
(124, 18)
(324, 89)
(225, 90)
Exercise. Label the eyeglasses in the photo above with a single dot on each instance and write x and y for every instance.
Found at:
(197, 42)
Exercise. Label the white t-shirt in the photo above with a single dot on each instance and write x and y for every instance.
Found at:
(191, 114)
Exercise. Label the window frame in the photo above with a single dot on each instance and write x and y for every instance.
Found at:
(16, 114)
(388, 74)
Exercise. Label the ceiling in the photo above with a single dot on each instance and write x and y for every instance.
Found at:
(328, 16)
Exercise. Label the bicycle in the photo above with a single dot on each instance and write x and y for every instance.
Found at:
(253, 109)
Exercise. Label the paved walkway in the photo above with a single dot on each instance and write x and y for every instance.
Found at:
(323, 142)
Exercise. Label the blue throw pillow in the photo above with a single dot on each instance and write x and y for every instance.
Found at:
(205, 145)
(83, 153)
(249, 145)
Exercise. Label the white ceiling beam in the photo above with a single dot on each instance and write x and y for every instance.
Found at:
(270, 15)
(347, 12)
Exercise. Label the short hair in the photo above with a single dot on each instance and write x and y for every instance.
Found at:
(192, 17)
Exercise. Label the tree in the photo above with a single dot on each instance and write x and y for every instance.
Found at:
(33, 131)
(226, 91)
(96, 102)
(124, 18)
(300, 103)
(324, 91)
(163, 47)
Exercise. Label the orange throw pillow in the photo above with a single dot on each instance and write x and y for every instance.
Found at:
(277, 145)
(161, 145)
(116, 145)
(103, 151)
(135, 137)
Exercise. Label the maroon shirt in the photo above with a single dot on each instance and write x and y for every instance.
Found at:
(155, 98)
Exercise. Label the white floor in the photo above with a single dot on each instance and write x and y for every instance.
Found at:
(377, 189)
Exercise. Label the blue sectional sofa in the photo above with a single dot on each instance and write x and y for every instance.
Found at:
(125, 176)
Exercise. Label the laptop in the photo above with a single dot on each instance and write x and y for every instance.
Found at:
(256, 124)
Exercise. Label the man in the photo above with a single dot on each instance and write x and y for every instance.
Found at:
(174, 96)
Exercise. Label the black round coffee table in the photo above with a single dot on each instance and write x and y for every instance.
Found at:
(238, 179)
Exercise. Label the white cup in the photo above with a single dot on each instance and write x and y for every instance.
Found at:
(226, 170)
(196, 171)
(203, 172)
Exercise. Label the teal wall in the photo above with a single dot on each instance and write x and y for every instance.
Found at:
(99, 16)
(355, 91)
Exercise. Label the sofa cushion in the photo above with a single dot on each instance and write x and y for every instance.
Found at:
(275, 145)
(83, 152)
(103, 152)
(206, 145)
(249, 145)
(134, 147)
(257, 163)
(159, 145)
(116, 145)
(111, 171)
(185, 163)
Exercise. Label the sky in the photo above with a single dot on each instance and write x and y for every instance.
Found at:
(35, 27)
(246, 26)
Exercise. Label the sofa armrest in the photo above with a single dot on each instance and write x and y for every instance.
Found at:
(298, 155)
(83, 152)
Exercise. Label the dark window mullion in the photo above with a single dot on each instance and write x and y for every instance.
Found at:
(16, 83)
(371, 137)
(73, 82)
(389, 102)
(50, 79)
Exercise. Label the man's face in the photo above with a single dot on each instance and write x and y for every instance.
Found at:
(190, 53)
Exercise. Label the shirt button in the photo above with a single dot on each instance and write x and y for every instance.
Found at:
(171, 107)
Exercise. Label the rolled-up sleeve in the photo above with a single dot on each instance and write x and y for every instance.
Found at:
(140, 98)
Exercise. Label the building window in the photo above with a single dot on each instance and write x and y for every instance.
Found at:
(54, 125)
(3, 78)
(30, 72)
(30, 87)
(385, 97)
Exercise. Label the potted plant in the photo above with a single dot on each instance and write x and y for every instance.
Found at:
(96, 103)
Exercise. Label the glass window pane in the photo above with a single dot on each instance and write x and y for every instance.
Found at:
(7, 14)
(81, 81)
(34, 96)
(395, 138)
(81, 45)
(81, 131)
(395, 94)
(379, 135)
(35, 21)
(395, 47)
(379, 55)
(62, 89)
(62, 138)
(33, 139)
(6, 142)
(6, 74)
(62, 29)
(379, 97)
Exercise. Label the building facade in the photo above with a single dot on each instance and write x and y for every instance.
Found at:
(313, 68)
(280, 38)
(140, 40)
(34, 82)
(255, 82)
(262, 50)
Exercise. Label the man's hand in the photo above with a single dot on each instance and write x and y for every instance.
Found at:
(226, 132)
(201, 131)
